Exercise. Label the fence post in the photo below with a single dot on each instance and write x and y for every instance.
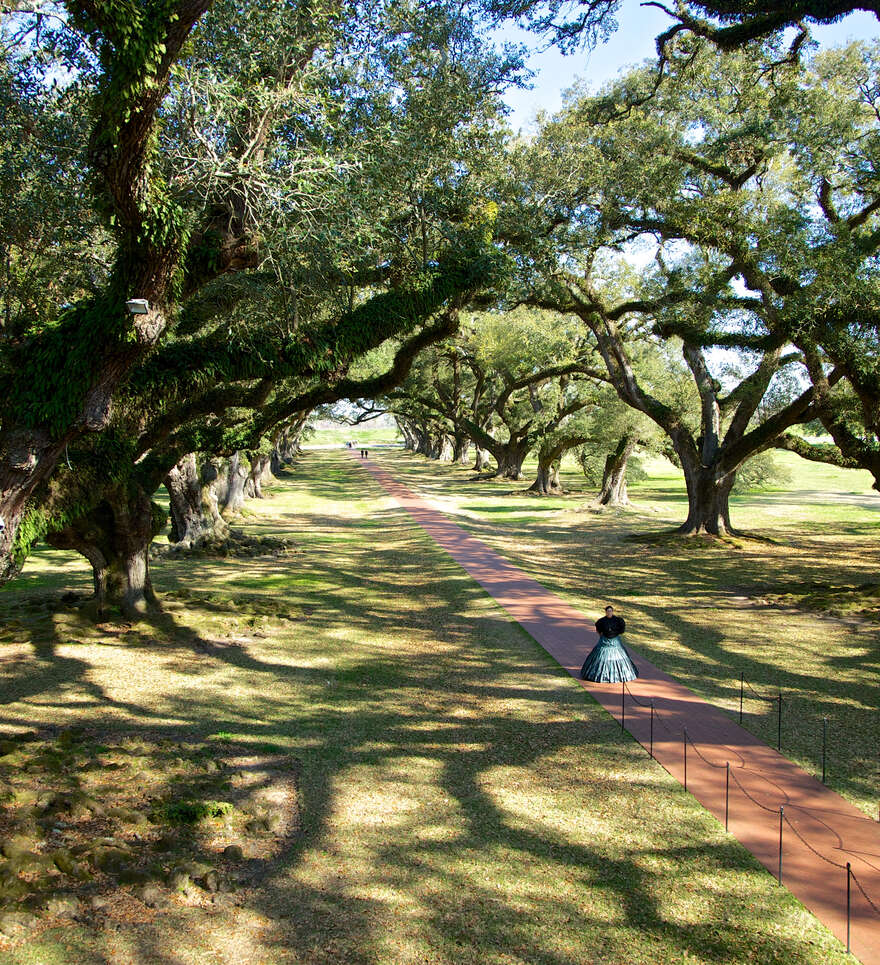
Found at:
(779, 725)
(741, 685)
(824, 742)
(652, 729)
(622, 703)
(781, 815)
(727, 796)
(848, 877)
(685, 745)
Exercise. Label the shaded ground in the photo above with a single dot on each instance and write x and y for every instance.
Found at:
(459, 800)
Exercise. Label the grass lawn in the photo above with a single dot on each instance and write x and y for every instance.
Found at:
(362, 435)
(434, 789)
(707, 611)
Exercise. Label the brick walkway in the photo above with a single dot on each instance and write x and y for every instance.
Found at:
(821, 831)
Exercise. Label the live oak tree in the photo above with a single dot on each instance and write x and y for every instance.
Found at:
(728, 24)
(114, 533)
(510, 383)
(615, 432)
(257, 136)
(718, 175)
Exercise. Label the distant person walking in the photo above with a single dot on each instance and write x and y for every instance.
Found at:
(608, 662)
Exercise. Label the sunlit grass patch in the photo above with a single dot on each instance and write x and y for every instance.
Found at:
(459, 800)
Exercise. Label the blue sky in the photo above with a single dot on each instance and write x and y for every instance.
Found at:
(632, 43)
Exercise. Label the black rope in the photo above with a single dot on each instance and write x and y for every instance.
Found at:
(807, 843)
(760, 695)
(697, 749)
(749, 796)
(862, 890)
(659, 717)
(641, 703)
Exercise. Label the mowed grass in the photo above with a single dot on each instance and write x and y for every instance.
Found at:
(707, 611)
(461, 800)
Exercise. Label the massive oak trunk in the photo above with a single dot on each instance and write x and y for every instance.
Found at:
(233, 486)
(115, 538)
(708, 499)
(460, 446)
(260, 472)
(547, 479)
(482, 460)
(510, 458)
(613, 491)
(445, 450)
(193, 501)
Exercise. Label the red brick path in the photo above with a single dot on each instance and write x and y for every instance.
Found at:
(821, 831)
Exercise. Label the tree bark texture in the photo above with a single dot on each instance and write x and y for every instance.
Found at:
(236, 474)
(708, 499)
(193, 501)
(547, 479)
(613, 491)
(115, 538)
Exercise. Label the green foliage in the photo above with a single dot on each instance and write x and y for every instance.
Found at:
(761, 471)
(50, 370)
(192, 812)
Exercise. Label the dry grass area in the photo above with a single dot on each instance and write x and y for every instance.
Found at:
(409, 779)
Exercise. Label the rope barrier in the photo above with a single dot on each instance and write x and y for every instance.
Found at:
(874, 908)
(697, 749)
(783, 817)
(641, 703)
(815, 852)
(659, 717)
(760, 695)
(749, 796)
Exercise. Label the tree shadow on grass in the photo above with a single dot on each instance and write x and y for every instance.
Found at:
(410, 847)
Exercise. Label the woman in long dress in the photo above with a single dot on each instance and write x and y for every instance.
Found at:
(608, 662)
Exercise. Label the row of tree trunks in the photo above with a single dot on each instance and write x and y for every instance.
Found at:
(204, 495)
(195, 510)
(115, 536)
(286, 445)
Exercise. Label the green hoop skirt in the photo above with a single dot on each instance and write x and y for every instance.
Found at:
(608, 663)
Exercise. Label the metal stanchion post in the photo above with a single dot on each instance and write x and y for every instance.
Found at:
(779, 725)
(848, 886)
(781, 816)
(741, 685)
(685, 745)
(727, 797)
(824, 742)
(652, 729)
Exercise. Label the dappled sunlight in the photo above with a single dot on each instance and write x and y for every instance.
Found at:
(703, 610)
(459, 799)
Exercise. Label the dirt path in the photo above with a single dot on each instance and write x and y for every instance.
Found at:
(765, 799)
